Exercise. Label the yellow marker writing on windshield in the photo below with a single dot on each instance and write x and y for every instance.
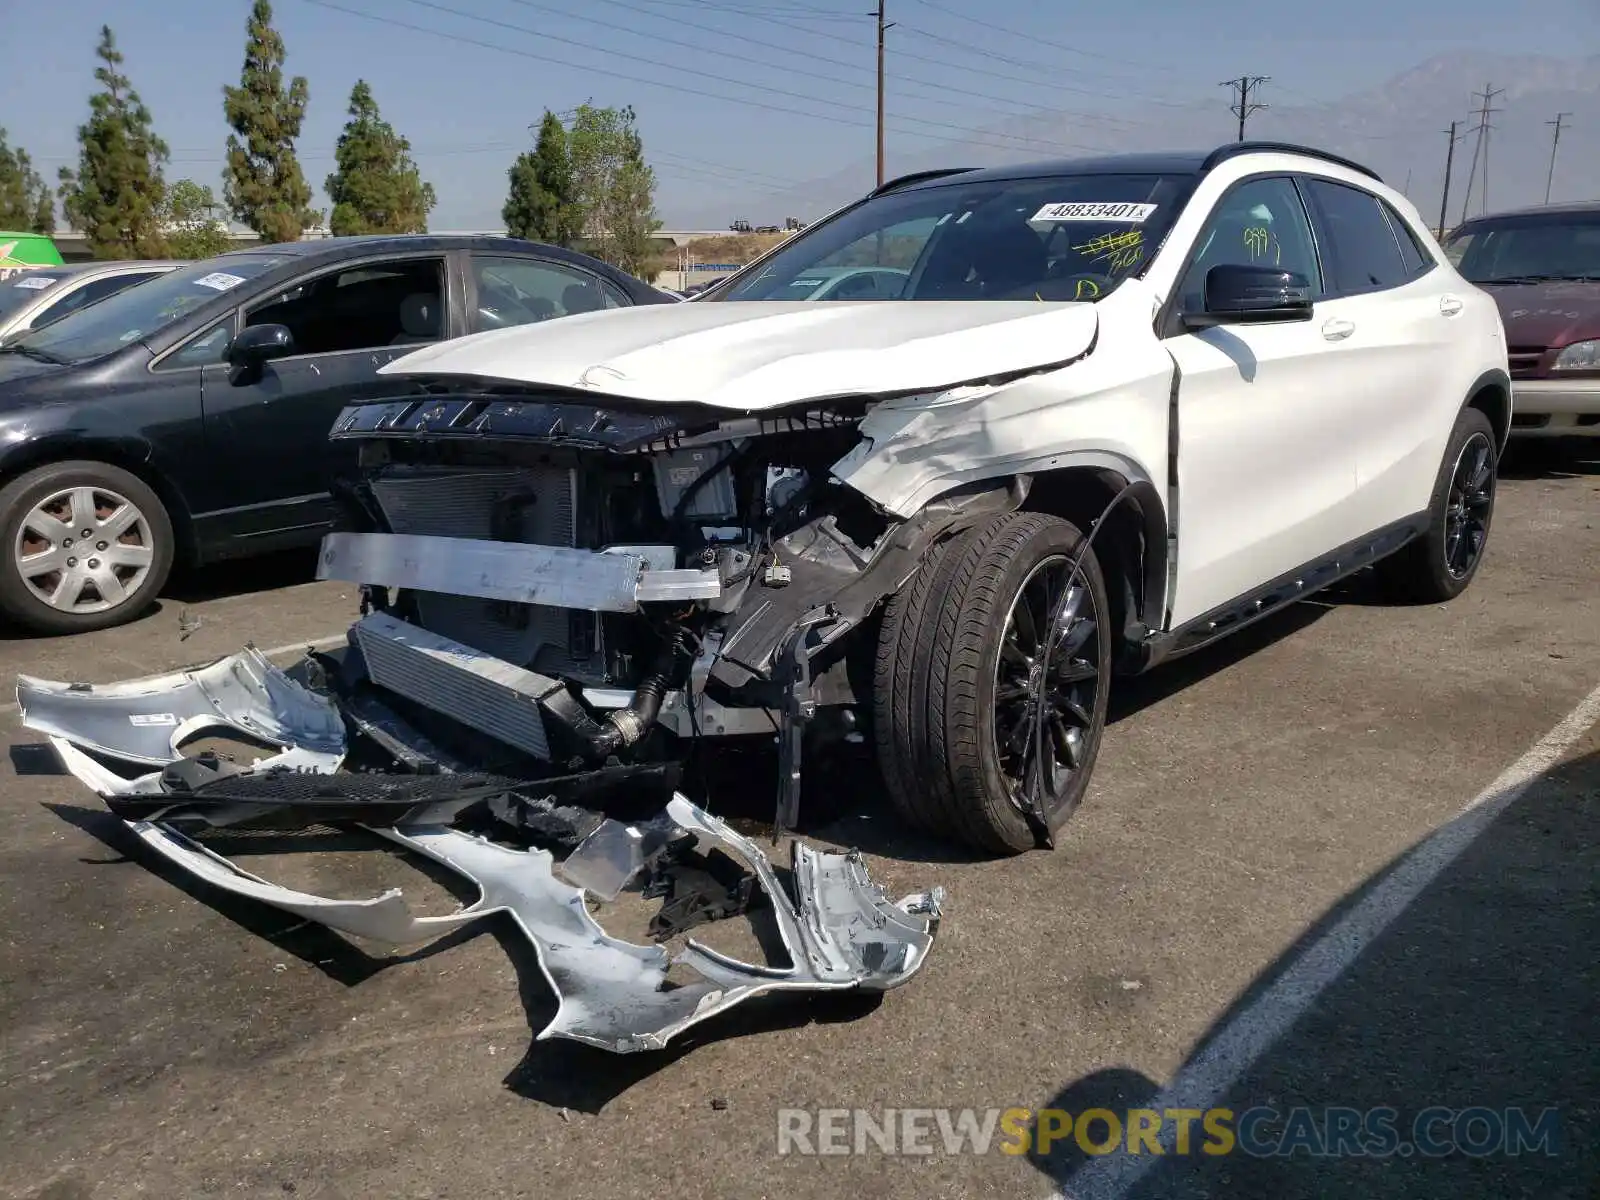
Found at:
(1119, 250)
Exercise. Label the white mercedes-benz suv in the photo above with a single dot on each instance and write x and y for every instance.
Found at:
(1095, 414)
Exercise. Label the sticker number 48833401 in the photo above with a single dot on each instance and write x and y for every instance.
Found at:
(1133, 214)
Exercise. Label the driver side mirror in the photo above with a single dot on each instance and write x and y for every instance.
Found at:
(259, 344)
(1240, 294)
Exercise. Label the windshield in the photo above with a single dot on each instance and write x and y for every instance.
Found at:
(24, 287)
(1063, 237)
(1546, 248)
(137, 312)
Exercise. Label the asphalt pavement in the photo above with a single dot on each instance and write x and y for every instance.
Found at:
(1346, 860)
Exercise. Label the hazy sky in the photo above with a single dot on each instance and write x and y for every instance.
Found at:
(731, 95)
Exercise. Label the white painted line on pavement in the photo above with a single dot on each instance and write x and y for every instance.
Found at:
(322, 643)
(1208, 1077)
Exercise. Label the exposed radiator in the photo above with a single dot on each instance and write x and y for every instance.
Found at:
(511, 504)
(457, 681)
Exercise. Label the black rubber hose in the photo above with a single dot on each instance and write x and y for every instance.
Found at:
(623, 727)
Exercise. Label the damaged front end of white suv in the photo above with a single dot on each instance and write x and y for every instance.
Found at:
(589, 572)
(562, 593)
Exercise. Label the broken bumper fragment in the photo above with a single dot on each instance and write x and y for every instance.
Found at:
(839, 930)
(148, 720)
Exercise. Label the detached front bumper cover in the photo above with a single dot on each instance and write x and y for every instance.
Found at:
(839, 929)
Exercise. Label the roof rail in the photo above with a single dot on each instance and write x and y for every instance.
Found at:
(916, 177)
(1233, 149)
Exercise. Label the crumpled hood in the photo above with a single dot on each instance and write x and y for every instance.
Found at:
(758, 355)
(1556, 313)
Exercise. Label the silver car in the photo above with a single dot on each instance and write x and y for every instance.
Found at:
(35, 298)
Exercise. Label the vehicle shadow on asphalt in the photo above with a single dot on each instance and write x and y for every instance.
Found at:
(246, 577)
(858, 813)
(1569, 458)
(1480, 994)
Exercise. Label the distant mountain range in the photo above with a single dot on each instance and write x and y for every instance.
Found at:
(1398, 129)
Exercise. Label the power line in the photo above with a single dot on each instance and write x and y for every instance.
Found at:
(1015, 140)
(1555, 140)
(1034, 39)
(1045, 68)
(1242, 87)
(1053, 72)
(1480, 148)
(941, 91)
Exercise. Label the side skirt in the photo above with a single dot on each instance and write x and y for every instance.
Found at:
(1281, 592)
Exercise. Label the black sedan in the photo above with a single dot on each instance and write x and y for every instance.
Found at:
(186, 419)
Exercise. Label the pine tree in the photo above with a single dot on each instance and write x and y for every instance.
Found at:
(25, 200)
(541, 204)
(375, 187)
(262, 183)
(115, 196)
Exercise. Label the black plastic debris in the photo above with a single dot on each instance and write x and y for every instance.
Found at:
(696, 889)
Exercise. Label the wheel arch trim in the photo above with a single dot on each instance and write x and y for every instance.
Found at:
(1495, 387)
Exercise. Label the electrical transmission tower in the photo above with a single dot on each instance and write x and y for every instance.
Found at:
(1480, 148)
(1242, 106)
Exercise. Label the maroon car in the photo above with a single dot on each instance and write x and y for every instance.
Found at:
(1543, 266)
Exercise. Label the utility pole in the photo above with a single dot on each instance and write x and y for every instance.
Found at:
(1242, 87)
(882, 27)
(1480, 148)
(1449, 164)
(1554, 142)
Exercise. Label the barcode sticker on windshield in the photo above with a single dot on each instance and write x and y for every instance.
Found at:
(1133, 214)
(36, 281)
(220, 280)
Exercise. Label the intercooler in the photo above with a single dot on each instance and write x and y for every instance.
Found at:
(481, 692)
(508, 504)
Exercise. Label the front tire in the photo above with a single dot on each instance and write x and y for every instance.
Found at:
(1437, 566)
(87, 546)
(962, 744)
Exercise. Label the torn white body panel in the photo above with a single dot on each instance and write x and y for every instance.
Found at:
(1104, 410)
(146, 720)
(839, 930)
(756, 357)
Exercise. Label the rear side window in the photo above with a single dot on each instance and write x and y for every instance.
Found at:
(91, 292)
(1414, 256)
(1359, 247)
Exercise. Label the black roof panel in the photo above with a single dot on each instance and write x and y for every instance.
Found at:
(1578, 208)
(1175, 162)
(1179, 163)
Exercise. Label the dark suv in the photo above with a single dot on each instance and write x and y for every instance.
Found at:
(187, 418)
(1542, 265)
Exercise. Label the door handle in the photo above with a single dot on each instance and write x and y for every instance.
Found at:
(1450, 305)
(1336, 330)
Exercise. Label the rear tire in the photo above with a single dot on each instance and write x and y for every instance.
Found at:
(1437, 566)
(87, 546)
(954, 723)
